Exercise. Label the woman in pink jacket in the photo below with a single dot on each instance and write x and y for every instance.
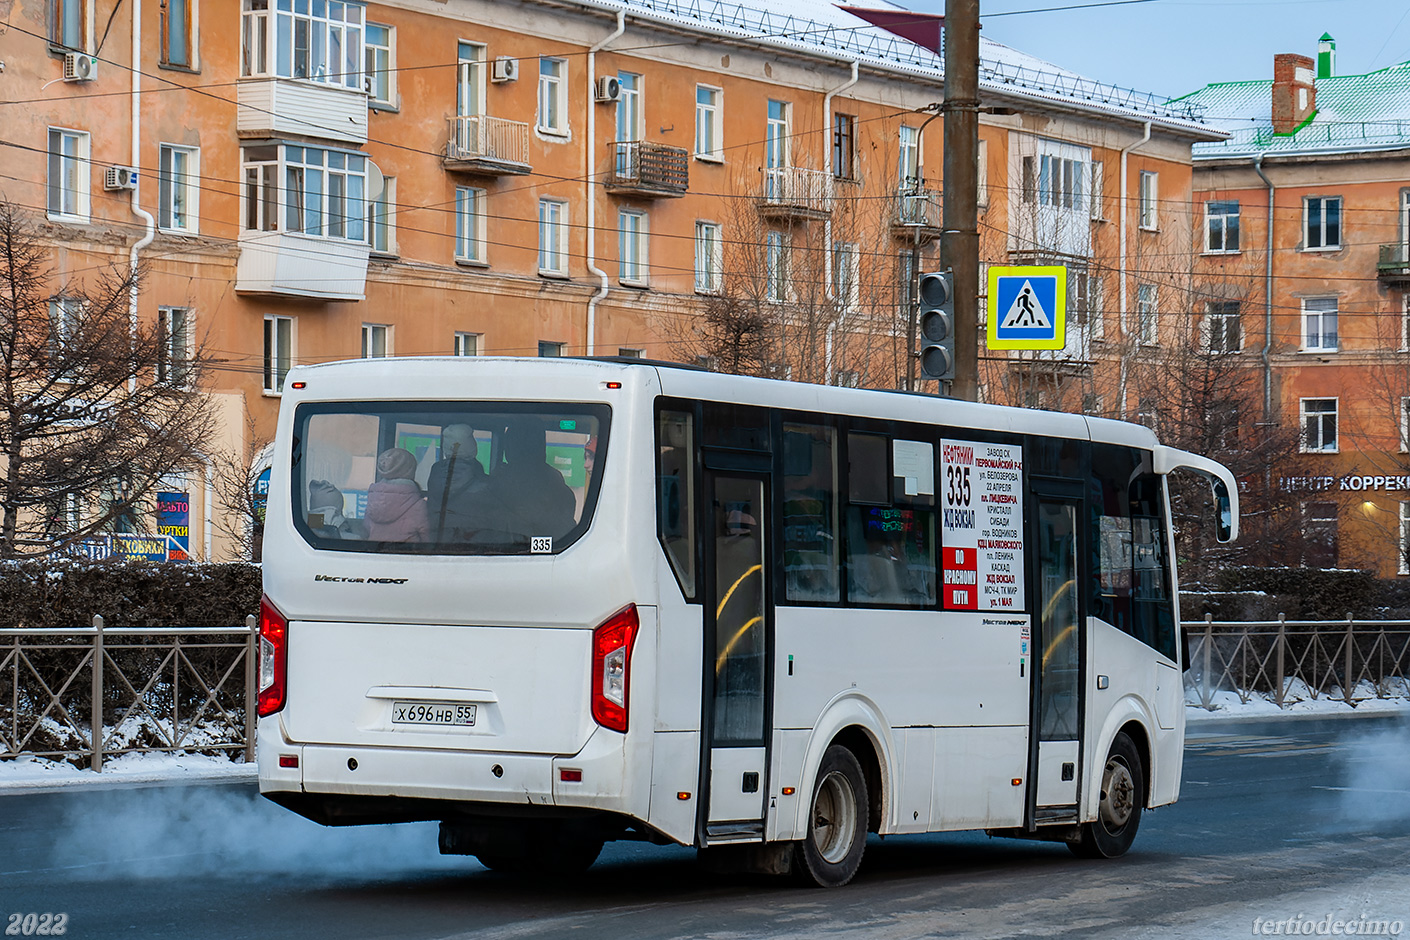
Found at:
(396, 510)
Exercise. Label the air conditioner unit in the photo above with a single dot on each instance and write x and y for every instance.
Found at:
(79, 67)
(608, 88)
(505, 69)
(120, 177)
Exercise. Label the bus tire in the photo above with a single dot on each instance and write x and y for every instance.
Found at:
(1119, 810)
(831, 851)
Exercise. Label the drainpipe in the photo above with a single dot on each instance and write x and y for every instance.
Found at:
(137, 209)
(1145, 138)
(827, 226)
(588, 149)
(1267, 352)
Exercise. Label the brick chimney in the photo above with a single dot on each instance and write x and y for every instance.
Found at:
(1294, 92)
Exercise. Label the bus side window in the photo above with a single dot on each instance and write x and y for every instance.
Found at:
(675, 494)
(810, 532)
(890, 538)
(1129, 586)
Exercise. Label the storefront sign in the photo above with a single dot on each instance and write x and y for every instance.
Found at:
(1354, 483)
(174, 520)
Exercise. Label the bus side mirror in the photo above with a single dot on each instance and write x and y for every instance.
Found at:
(1223, 513)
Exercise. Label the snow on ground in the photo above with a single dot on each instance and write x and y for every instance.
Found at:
(1298, 702)
(33, 773)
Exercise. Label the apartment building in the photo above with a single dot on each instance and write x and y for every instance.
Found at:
(326, 179)
(1316, 302)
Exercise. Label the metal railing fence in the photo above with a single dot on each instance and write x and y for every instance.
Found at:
(67, 692)
(1349, 660)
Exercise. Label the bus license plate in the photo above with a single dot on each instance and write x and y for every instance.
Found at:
(433, 713)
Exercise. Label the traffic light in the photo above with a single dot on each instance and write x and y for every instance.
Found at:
(937, 326)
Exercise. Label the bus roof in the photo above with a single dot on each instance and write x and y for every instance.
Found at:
(417, 377)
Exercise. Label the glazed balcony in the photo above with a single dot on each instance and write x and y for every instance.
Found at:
(646, 169)
(796, 193)
(291, 264)
(281, 107)
(488, 146)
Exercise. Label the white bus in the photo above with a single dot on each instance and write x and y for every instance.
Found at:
(551, 603)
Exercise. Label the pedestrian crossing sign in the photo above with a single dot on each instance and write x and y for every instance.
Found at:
(1027, 307)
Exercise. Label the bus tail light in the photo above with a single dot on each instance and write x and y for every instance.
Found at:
(612, 668)
(273, 657)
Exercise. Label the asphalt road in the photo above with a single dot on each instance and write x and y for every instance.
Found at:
(1305, 819)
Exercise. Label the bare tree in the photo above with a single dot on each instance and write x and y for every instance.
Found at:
(94, 409)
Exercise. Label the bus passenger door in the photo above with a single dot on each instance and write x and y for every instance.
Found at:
(738, 627)
(1054, 759)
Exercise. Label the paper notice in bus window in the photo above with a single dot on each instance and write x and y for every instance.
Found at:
(981, 496)
(913, 464)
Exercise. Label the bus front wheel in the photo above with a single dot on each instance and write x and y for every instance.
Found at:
(1119, 811)
(831, 851)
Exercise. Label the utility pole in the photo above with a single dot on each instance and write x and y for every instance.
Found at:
(959, 237)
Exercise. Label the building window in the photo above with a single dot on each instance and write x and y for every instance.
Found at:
(908, 163)
(322, 193)
(178, 189)
(550, 350)
(65, 319)
(69, 175)
(553, 237)
(1319, 534)
(1095, 201)
(1223, 331)
(1405, 323)
(1148, 195)
(1404, 566)
(1030, 181)
(381, 65)
(1148, 412)
(1404, 425)
(1221, 226)
(174, 354)
(1319, 324)
(775, 267)
(1096, 308)
(467, 344)
(630, 125)
(470, 225)
(382, 218)
(844, 146)
(68, 24)
(982, 177)
(1322, 228)
(1319, 425)
(278, 352)
(1060, 182)
(709, 127)
(846, 270)
(176, 32)
(776, 136)
(376, 341)
(631, 247)
(1146, 315)
(321, 42)
(553, 95)
(709, 258)
(470, 79)
(628, 352)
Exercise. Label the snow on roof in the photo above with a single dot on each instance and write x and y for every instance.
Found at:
(1355, 113)
(820, 27)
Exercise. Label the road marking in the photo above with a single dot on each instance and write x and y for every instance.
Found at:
(1363, 790)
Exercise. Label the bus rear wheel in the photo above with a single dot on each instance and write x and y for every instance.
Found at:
(1119, 810)
(831, 851)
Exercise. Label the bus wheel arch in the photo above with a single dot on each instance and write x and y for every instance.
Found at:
(856, 739)
(854, 722)
(1120, 801)
(1141, 739)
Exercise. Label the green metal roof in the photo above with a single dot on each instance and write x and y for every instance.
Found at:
(1355, 113)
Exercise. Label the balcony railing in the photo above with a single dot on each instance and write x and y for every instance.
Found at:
(793, 192)
(916, 213)
(488, 145)
(1394, 265)
(642, 168)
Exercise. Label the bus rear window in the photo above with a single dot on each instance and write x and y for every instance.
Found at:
(471, 478)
